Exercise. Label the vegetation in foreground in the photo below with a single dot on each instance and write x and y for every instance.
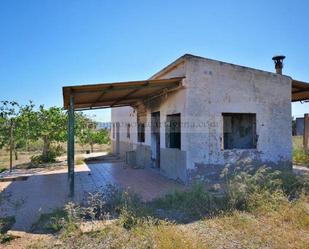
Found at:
(300, 157)
(260, 210)
(5, 225)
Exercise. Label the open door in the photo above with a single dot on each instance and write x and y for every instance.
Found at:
(155, 139)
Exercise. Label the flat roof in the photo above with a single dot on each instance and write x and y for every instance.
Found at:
(106, 95)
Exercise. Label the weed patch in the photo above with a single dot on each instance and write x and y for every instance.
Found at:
(5, 225)
(300, 157)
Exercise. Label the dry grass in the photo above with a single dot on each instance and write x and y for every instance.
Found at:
(165, 236)
(286, 228)
(270, 221)
(25, 156)
(299, 155)
(79, 160)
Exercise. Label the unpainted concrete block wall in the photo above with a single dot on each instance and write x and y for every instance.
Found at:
(173, 164)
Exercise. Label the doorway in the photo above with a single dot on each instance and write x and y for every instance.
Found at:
(155, 139)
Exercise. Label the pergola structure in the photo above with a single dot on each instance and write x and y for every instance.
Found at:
(108, 95)
(300, 91)
(99, 96)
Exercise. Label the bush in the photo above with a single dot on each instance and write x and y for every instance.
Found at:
(51, 222)
(5, 224)
(301, 157)
(265, 188)
(36, 160)
(112, 202)
(79, 160)
(194, 203)
(60, 220)
(52, 154)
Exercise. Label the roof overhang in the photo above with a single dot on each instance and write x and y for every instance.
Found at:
(300, 91)
(107, 95)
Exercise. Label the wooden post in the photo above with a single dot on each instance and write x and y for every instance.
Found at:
(305, 137)
(11, 145)
(70, 152)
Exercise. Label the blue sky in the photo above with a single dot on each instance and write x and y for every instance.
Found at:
(46, 44)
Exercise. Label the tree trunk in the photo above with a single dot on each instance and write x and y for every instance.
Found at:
(45, 148)
(16, 154)
(91, 146)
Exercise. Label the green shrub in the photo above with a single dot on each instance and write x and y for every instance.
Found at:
(36, 160)
(191, 204)
(52, 154)
(265, 188)
(113, 202)
(62, 220)
(294, 185)
(300, 157)
(51, 222)
(5, 224)
(79, 160)
(241, 185)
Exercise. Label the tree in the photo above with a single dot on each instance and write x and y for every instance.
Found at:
(23, 131)
(9, 111)
(51, 126)
(89, 134)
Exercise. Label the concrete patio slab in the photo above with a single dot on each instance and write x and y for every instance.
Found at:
(44, 191)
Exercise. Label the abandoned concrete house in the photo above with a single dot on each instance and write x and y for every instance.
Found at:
(198, 115)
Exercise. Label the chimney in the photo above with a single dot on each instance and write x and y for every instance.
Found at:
(278, 63)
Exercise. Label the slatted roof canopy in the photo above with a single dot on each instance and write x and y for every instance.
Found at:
(116, 94)
(300, 91)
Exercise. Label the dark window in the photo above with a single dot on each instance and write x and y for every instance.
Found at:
(113, 130)
(128, 130)
(173, 131)
(239, 131)
(141, 132)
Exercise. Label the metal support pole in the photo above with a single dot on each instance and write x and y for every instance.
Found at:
(71, 146)
(11, 145)
(305, 138)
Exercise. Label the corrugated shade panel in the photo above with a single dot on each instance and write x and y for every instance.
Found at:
(300, 91)
(116, 94)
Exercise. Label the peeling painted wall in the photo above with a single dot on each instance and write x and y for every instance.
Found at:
(215, 88)
(172, 103)
(210, 89)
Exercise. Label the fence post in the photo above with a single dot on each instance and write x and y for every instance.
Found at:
(305, 137)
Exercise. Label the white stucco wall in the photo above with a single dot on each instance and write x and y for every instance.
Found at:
(174, 102)
(214, 88)
(210, 89)
(123, 116)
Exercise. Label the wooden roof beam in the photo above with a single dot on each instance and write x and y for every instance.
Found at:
(300, 96)
(119, 88)
(101, 96)
(129, 94)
